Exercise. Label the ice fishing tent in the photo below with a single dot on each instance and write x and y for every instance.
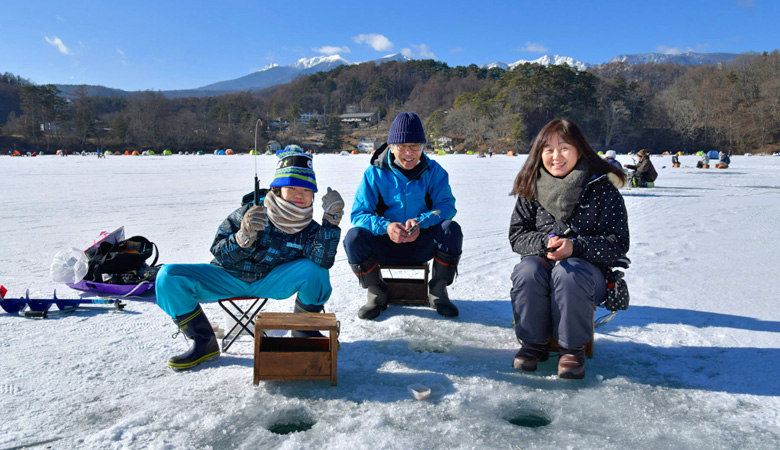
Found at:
(230, 152)
(254, 152)
(135, 153)
(713, 154)
(219, 152)
(167, 153)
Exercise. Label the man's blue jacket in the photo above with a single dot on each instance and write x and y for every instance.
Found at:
(386, 195)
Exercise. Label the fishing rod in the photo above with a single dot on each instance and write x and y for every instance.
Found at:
(257, 181)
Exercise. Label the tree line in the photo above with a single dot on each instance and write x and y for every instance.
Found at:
(731, 106)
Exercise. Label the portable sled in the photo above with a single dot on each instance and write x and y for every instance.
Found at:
(117, 265)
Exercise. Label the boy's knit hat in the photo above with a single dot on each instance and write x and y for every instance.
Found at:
(610, 154)
(294, 169)
(407, 128)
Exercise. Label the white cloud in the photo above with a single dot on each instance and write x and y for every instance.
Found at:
(376, 41)
(332, 50)
(457, 50)
(672, 50)
(422, 51)
(746, 3)
(533, 47)
(122, 56)
(57, 42)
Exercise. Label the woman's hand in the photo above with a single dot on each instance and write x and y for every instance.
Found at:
(560, 248)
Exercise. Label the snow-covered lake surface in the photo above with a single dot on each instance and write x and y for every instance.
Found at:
(693, 363)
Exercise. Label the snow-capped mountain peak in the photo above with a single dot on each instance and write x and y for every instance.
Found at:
(553, 60)
(308, 63)
(546, 60)
(269, 66)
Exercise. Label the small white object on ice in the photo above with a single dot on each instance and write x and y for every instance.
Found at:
(419, 391)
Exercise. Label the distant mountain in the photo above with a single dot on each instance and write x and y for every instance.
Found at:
(546, 60)
(689, 58)
(272, 75)
(275, 74)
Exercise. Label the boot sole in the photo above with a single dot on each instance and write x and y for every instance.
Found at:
(525, 365)
(189, 365)
(571, 375)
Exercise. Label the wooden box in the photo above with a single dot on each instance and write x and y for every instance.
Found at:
(287, 358)
(408, 291)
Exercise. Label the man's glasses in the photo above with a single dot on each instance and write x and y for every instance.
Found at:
(409, 147)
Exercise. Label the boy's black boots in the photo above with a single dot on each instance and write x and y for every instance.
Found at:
(303, 308)
(370, 277)
(445, 266)
(197, 327)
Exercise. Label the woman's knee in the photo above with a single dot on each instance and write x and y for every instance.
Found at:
(531, 268)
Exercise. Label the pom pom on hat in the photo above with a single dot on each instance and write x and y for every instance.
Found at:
(294, 169)
(407, 128)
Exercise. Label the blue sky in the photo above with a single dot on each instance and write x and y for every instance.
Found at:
(161, 45)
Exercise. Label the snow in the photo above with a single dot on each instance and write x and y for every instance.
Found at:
(693, 363)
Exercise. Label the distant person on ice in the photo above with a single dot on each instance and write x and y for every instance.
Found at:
(704, 161)
(570, 225)
(402, 215)
(272, 250)
(610, 156)
(644, 171)
(724, 161)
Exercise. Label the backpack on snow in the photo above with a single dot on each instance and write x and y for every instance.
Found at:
(123, 262)
(617, 297)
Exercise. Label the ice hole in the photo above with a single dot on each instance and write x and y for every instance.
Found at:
(291, 426)
(529, 418)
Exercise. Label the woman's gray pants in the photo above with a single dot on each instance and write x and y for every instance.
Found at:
(556, 300)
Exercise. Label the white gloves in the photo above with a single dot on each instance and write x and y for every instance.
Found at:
(255, 220)
(333, 205)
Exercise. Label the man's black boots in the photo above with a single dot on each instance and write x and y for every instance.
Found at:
(302, 308)
(197, 327)
(445, 267)
(370, 277)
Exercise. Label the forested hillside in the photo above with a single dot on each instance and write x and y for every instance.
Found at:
(732, 106)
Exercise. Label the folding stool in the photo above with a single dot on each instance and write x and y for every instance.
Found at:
(244, 318)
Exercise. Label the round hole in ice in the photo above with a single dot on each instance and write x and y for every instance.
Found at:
(529, 418)
(291, 426)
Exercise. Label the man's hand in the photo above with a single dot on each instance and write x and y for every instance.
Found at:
(333, 205)
(412, 230)
(254, 221)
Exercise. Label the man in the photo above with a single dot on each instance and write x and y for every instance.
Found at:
(402, 216)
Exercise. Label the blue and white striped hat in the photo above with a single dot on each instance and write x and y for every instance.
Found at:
(294, 169)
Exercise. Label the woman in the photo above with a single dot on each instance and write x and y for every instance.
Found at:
(570, 225)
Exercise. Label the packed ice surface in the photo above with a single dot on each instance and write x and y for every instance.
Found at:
(693, 363)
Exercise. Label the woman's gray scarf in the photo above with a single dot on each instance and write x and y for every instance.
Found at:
(285, 216)
(559, 196)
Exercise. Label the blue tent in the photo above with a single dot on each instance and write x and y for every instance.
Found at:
(712, 154)
(221, 152)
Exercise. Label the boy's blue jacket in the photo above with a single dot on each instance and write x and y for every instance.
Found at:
(273, 247)
(385, 195)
